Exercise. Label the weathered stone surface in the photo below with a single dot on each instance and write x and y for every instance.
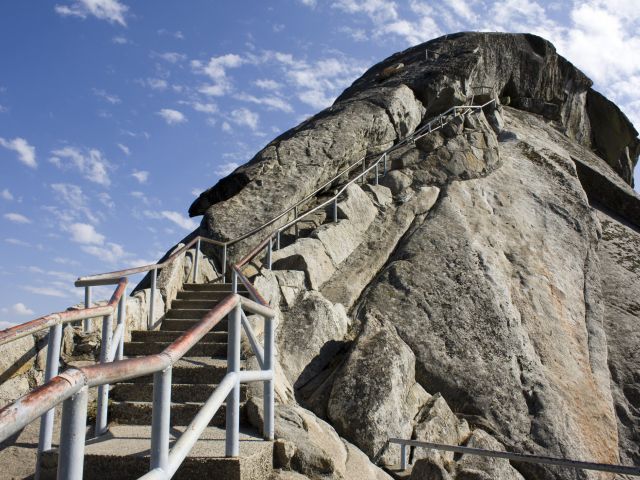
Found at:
(490, 254)
(381, 194)
(340, 239)
(620, 266)
(368, 398)
(472, 467)
(307, 255)
(427, 469)
(357, 207)
(396, 181)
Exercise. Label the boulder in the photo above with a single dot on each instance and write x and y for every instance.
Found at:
(475, 467)
(382, 195)
(396, 181)
(357, 207)
(427, 469)
(307, 255)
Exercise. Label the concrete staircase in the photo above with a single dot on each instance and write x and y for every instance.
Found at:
(123, 453)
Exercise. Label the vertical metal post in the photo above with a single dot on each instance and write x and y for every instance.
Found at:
(295, 218)
(87, 303)
(224, 263)
(234, 281)
(195, 262)
(384, 172)
(403, 456)
(103, 390)
(364, 167)
(232, 443)
(335, 209)
(161, 419)
(278, 241)
(269, 252)
(152, 304)
(51, 370)
(122, 319)
(72, 433)
(269, 351)
(377, 173)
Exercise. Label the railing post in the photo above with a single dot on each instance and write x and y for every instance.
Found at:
(295, 217)
(51, 370)
(269, 350)
(195, 262)
(376, 181)
(224, 263)
(403, 456)
(161, 419)
(335, 209)
(364, 167)
(103, 390)
(234, 281)
(86, 323)
(232, 443)
(152, 304)
(269, 252)
(122, 319)
(72, 436)
(278, 241)
(384, 172)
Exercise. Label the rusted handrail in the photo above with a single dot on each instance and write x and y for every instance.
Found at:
(60, 318)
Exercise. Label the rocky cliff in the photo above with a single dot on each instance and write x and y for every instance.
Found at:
(485, 294)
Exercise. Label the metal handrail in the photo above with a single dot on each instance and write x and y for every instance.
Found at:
(517, 457)
(71, 388)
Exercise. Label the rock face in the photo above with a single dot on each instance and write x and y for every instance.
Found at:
(484, 293)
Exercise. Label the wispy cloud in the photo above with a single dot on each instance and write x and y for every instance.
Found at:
(141, 176)
(271, 102)
(26, 153)
(18, 242)
(17, 309)
(124, 149)
(267, 84)
(75, 203)
(108, 97)
(16, 218)
(226, 168)
(46, 291)
(245, 117)
(171, 57)
(5, 194)
(120, 40)
(216, 69)
(90, 163)
(180, 220)
(85, 234)
(112, 11)
(172, 117)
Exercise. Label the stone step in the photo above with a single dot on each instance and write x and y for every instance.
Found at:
(206, 304)
(200, 295)
(211, 287)
(123, 454)
(139, 413)
(195, 313)
(182, 324)
(200, 349)
(169, 336)
(193, 370)
(180, 392)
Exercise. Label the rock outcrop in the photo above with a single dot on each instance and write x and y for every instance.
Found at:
(484, 293)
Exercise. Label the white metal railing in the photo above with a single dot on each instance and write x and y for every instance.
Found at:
(516, 457)
(71, 389)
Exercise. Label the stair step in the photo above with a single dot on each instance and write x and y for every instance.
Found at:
(182, 324)
(200, 349)
(180, 392)
(123, 454)
(211, 287)
(205, 295)
(169, 336)
(189, 304)
(193, 370)
(194, 313)
(139, 413)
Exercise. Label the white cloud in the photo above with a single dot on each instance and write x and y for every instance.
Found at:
(15, 241)
(3, 109)
(245, 117)
(120, 40)
(46, 291)
(180, 220)
(112, 11)
(196, 192)
(309, 3)
(91, 164)
(172, 57)
(178, 34)
(16, 218)
(26, 153)
(226, 168)
(204, 107)
(216, 69)
(267, 84)
(18, 309)
(172, 117)
(85, 234)
(108, 97)
(76, 202)
(157, 83)
(110, 253)
(272, 102)
(124, 149)
(141, 176)
(226, 127)
(6, 195)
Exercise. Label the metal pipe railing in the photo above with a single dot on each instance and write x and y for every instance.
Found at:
(515, 457)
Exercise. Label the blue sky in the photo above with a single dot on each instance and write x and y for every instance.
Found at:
(115, 114)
